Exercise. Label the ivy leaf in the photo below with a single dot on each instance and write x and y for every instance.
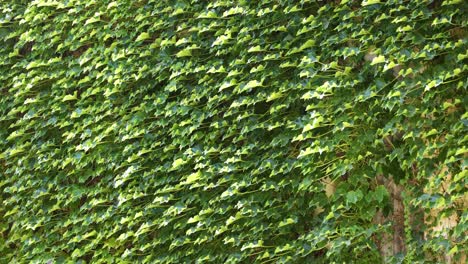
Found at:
(255, 49)
(178, 163)
(354, 196)
(380, 193)
(309, 43)
(184, 53)
(378, 60)
(143, 36)
(193, 177)
(252, 84)
(370, 2)
(70, 97)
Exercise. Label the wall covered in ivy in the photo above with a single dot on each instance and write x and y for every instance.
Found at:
(267, 131)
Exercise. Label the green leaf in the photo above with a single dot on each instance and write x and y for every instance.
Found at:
(432, 84)
(193, 177)
(370, 2)
(354, 196)
(380, 193)
(454, 250)
(462, 150)
(69, 97)
(274, 96)
(143, 36)
(309, 43)
(405, 28)
(178, 163)
(253, 84)
(287, 221)
(431, 133)
(316, 122)
(33, 64)
(184, 53)
(255, 49)
(378, 60)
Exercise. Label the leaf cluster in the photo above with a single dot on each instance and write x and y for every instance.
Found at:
(223, 131)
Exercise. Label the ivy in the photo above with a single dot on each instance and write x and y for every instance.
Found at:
(232, 131)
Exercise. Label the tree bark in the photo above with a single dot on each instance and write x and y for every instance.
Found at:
(392, 244)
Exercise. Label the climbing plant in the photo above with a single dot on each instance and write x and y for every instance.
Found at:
(269, 131)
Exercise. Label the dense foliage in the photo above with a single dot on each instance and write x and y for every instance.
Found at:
(232, 131)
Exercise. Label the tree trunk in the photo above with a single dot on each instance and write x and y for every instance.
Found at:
(392, 244)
